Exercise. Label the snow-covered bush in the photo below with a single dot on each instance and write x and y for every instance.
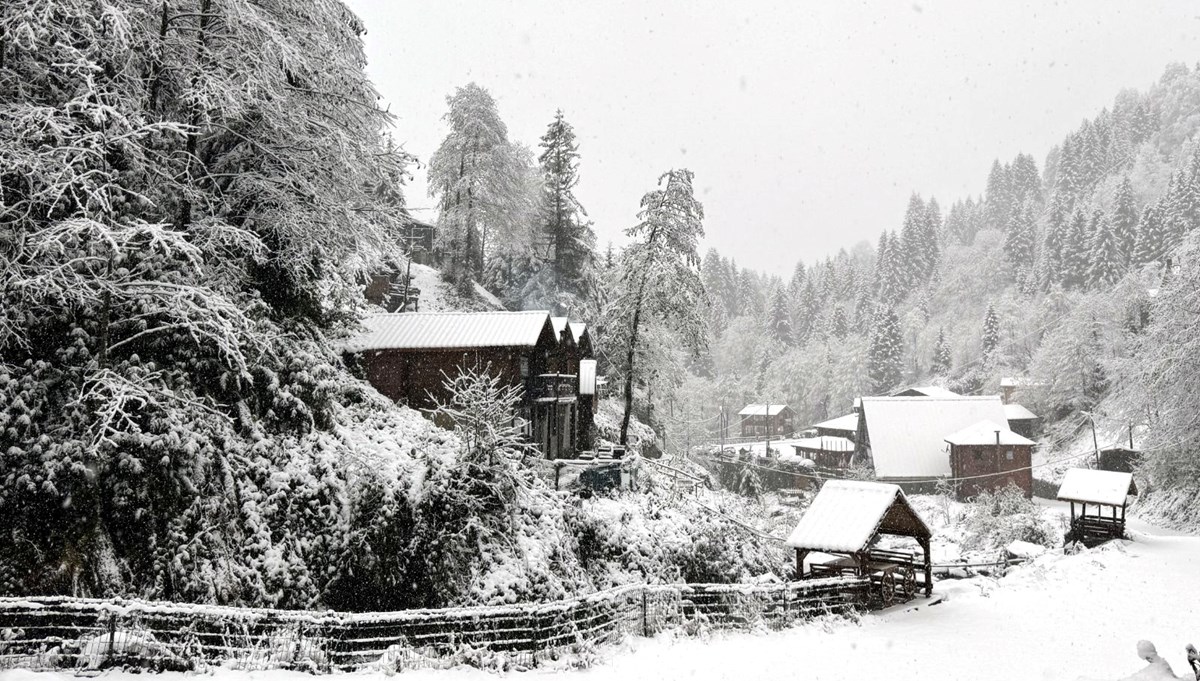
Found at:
(993, 520)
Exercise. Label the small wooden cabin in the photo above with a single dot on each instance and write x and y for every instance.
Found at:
(839, 533)
(989, 456)
(1101, 497)
(762, 420)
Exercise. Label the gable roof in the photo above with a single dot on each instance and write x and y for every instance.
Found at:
(849, 422)
(1016, 412)
(927, 391)
(761, 409)
(987, 433)
(1096, 487)
(450, 330)
(562, 324)
(847, 514)
(907, 434)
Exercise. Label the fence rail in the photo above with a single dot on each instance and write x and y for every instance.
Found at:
(45, 633)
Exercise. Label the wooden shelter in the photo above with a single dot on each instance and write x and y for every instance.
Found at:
(1107, 493)
(845, 522)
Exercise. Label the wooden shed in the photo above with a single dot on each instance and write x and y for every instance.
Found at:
(1021, 421)
(987, 456)
(845, 521)
(767, 419)
(1103, 493)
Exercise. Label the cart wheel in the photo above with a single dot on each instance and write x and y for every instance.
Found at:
(887, 587)
(910, 583)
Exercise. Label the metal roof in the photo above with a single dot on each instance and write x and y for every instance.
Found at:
(987, 433)
(1096, 487)
(449, 330)
(849, 422)
(761, 409)
(846, 514)
(907, 434)
(1016, 412)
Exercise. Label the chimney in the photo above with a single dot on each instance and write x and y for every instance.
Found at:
(997, 439)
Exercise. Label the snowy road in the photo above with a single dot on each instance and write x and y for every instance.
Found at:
(1060, 617)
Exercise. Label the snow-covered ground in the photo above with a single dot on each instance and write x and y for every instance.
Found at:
(437, 295)
(1059, 617)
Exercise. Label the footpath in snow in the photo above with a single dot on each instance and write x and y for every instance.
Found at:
(1058, 617)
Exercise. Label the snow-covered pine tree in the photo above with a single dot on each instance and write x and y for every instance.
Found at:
(990, 340)
(480, 180)
(1075, 251)
(999, 197)
(885, 357)
(940, 366)
(1151, 242)
(934, 234)
(1103, 258)
(1018, 241)
(1026, 182)
(914, 246)
(659, 276)
(1124, 220)
(779, 324)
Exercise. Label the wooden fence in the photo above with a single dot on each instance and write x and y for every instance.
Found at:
(44, 633)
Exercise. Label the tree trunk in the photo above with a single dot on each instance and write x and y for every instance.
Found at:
(633, 335)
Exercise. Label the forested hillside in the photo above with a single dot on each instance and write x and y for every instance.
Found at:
(1057, 274)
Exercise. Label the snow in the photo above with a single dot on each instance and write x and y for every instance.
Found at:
(438, 295)
(844, 515)
(762, 409)
(1096, 487)
(849, 423)
(987, 433)
(908, 433)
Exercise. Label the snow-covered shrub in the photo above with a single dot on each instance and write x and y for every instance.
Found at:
(993, 520)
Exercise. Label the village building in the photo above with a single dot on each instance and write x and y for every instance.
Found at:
(1107, 493)
(904, 438)
(762, 420)
(829, 453)
(1021, 420)
(926, 391)
(842, 426)
(987, 456)
(409, 356)
(840, 532)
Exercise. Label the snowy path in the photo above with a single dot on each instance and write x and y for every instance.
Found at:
(1060, 617)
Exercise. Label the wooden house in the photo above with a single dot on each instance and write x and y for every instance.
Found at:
(1022, 421)
(839, 535)
(762, 420)
(1107, 493)
(408, 357)
(827, 452)
(987, 456)
(904, 438)
(843, 427)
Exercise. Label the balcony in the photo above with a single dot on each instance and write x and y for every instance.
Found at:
(553, 388)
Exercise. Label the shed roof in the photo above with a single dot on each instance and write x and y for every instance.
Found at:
(987, 433)
(828, 444)
(849, 422)
(847, 514)
(449, 330)
(907, 434)
(1016, 412)
(761, 409)
(1096, 487)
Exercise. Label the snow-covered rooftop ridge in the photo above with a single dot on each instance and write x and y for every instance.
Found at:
(761, 409)
(1096, 487)
(1016, 412)
(449, 330)
(932, 391)
(846, 514)
(849, 422)
(907, 434)
(987, 433)
(560, 324)
(577, 330)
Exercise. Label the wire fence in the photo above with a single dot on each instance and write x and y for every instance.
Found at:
(84, 635)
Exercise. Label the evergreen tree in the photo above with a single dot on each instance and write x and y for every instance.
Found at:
(885, 357)
(915, 259)
(1103, 258)
(1018, 241)
(569, 240)
(1075, 251)
(778, 323)
(990, 341)
(941, 355)
(1057, 232)
(838, 326)
(999, 201)
(1124, 222)
(659, 280)
(1151, 242)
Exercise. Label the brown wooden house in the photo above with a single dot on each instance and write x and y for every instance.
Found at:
(989, 456)
(408, 357)
(761, 420)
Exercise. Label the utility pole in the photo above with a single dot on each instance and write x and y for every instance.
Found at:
(767, 451)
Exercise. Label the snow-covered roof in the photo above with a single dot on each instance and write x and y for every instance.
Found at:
(449, 330)
(761, 409)
(848, 423)
(829, 444)
(1016, 412)
(987, 433)
(1096, 487)
(907, 434)
(929, 391)
(577, 330)
(846, 514)
(561, 324)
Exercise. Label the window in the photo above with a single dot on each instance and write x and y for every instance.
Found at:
(1009, 455)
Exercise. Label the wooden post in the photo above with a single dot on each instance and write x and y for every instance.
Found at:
(112, 635)
(645, 615)
(928, 568)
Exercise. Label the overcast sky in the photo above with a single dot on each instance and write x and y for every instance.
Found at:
(807, 124)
